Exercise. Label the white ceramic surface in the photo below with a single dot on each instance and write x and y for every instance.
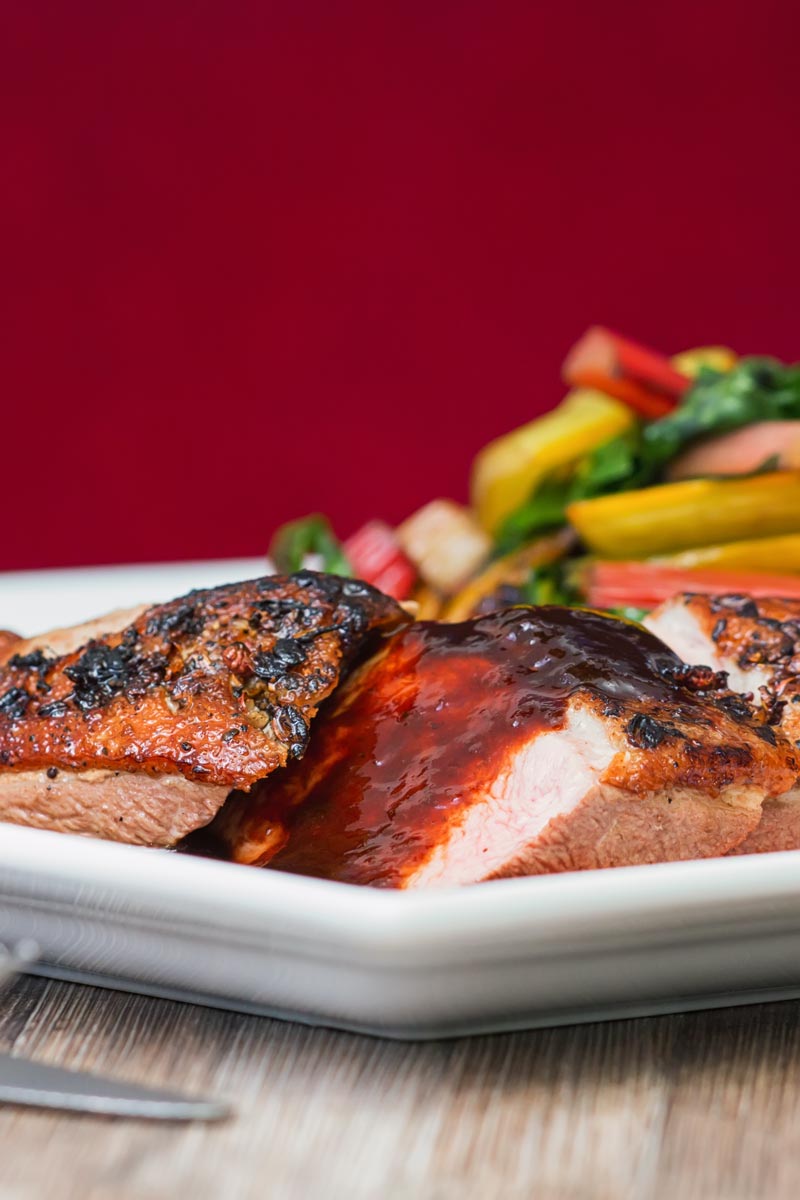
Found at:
(32, 601)
(505, 955)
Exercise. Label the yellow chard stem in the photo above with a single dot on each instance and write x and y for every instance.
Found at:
(678, 516)
(507, 471)
(770, 554)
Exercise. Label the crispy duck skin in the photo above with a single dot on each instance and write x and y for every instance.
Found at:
(524, 742)
(756, 642)
(218, 687)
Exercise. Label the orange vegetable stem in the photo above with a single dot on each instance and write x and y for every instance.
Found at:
(645, 585)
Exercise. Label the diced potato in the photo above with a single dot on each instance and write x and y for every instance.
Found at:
(445, 543)
(507, 470)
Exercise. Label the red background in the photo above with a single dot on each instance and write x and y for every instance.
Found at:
(264, 259)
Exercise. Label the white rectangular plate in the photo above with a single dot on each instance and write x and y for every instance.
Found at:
(513, 954)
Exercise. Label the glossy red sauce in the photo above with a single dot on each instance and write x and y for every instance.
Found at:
(425, 728)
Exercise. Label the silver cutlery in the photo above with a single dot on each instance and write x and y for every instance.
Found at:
(23, 1081)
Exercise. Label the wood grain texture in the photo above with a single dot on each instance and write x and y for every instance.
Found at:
(697, 1107)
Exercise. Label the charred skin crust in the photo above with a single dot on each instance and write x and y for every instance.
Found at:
(754, 633)
(37, 660)
(103, 672)
(14, 703)
(700, 680)
(180, 619)
(736, 707)
(646, 733)
(219, 684)
(719, 629)
(763, 636)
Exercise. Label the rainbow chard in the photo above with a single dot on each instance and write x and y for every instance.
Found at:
(309, 537)
(756, 390)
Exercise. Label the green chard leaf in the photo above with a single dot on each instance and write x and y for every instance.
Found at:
(630, 614)
(308, 535)
(552, 583)
(758, 389)
(615, 466)
(544, 510)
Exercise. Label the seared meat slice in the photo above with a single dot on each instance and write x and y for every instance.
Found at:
(121, 806)
(524, 742)
(757, 642)
(139, 733)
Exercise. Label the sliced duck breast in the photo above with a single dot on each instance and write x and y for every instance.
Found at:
(524, 742)
(136, 726)
(757, 643)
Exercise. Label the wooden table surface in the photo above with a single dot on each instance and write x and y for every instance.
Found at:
(705, 1105)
